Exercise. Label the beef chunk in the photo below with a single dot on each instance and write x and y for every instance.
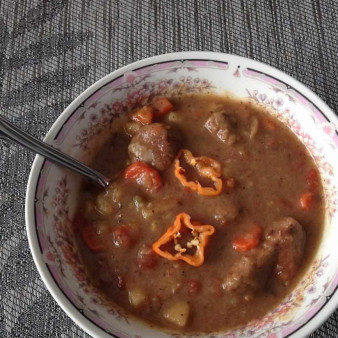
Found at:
(224, 126)
(156, 144)
(281, 250)
(289, 237)
(251, 272)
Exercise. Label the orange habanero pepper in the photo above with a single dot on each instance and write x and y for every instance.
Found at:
(206, 167)
(200, 233)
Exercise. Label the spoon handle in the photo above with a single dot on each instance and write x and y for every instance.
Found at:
(19, 136)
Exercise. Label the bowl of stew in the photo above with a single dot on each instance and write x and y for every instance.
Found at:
(221, 217)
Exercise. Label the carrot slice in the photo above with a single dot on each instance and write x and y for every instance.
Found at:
(144, 115)
(144, 175)
(162, 106)
(91, 238)
(249, 240)
(306, 200)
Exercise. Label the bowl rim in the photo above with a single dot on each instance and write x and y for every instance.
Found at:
(84, 322)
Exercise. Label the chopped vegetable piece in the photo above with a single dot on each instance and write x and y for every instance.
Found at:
(108, 201)
(144, 115)
(306, 200)
(200, 233)
(178, 313)
(174, 117)
(206, 167)
(155, 226)
(137, 297)
(122, 237)
(104, 204)
(162, 106)
(312, 179)
(92, 239)
(144, 175)
(249, 240)
(139, 202)
(132, 127)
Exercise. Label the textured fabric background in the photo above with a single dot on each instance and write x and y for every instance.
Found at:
(50, 51)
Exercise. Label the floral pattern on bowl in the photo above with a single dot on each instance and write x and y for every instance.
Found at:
(56, 188)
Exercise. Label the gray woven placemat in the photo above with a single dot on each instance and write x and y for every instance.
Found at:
(50, 51)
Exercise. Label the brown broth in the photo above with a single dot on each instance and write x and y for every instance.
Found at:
(270, 172)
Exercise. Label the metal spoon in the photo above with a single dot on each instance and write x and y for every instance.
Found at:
(9, 130)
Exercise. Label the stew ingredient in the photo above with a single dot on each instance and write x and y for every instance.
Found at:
(215, 211)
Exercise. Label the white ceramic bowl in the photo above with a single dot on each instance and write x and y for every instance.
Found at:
(52, 191)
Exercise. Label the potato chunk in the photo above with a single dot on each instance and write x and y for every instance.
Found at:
(137, 297)
(108, 201)
(132, 127)
(104, 205)
(174, 117)
(178, 313)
